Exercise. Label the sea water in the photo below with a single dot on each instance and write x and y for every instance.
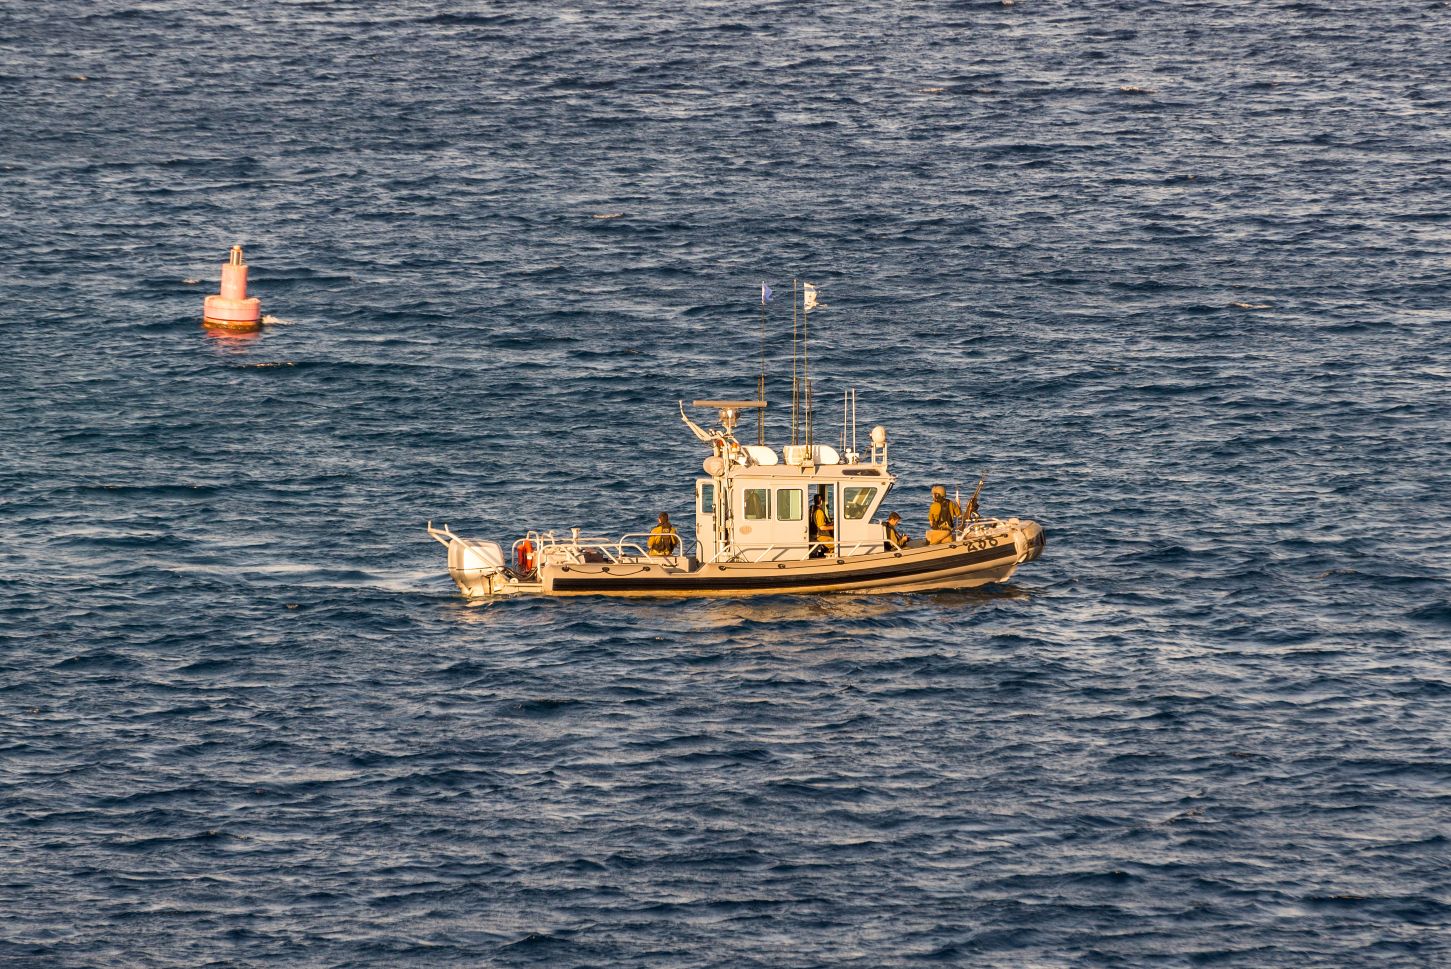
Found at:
(1175, 277)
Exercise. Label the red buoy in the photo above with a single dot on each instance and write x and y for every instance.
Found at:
(232, 308)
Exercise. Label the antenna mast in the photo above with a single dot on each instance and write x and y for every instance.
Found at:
(795, 381)
(761, 383)
(808, 289)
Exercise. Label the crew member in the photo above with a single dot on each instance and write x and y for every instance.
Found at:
(821, 527)
(895, 537)
(663, 538)
(942, 516)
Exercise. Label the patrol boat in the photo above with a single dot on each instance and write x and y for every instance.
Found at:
(754, 534)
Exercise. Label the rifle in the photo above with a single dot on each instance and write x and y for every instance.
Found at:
(969, 513)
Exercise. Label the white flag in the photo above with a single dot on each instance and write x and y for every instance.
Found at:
(810, 292)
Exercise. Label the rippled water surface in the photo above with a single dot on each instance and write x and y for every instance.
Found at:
(1175, 276)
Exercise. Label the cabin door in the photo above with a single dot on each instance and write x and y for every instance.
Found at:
(705, 505)
(823, 495)
(855, 528)
(789, 522)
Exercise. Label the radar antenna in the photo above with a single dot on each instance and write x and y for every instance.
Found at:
(729, 411)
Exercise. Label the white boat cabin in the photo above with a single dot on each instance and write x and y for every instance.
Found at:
(757, 508)
(766, 512)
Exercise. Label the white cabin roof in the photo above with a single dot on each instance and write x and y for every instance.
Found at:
(819, 472)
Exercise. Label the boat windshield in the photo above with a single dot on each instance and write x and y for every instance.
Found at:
(857, 501)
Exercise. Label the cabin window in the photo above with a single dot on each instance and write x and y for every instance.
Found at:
(707, 499)
(858, 501)
(758, 504)
(788, 505)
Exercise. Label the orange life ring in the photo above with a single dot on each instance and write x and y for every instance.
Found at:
(524, 555)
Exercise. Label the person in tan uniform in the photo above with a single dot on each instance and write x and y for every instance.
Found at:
(822, 528)
(942, 516)
(894, 537)
(663, 538)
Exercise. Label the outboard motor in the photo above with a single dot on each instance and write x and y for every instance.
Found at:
(477, 567)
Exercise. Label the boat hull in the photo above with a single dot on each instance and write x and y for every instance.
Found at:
(955, 565)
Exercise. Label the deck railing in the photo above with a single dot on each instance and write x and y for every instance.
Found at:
(770, 553)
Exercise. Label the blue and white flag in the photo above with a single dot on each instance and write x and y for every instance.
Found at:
(766, 294)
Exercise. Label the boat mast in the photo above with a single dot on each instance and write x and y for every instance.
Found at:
(807, 291)
(761, 383)
(795, 381)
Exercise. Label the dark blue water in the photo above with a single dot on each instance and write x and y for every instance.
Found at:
(1176, 276)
